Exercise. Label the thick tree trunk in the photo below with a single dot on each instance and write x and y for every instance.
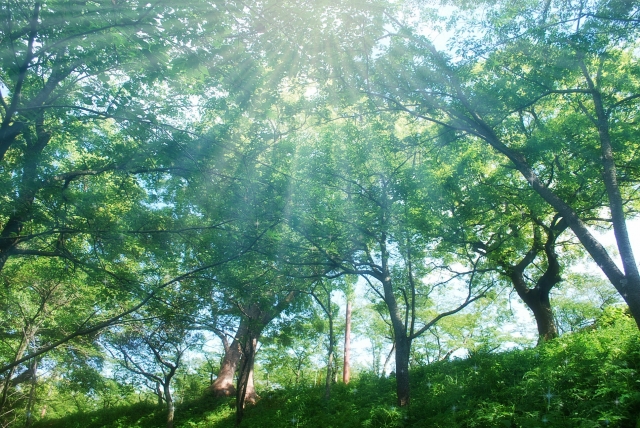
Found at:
(346, 372)
(537, 298)
(245, 376)
(10, 233)
(538, 301)
(8, 134)
(629, 286)
(402, 341)
(403, 350)
(616, 204)
(251, 326)
(224, 385)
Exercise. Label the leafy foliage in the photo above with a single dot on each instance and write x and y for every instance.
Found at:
(589, 378)
(180, 175)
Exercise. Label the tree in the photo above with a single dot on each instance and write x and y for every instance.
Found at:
(488, 213)
(90, 152)
(41, 302)
(72, 105)
(575, 59)
(321, 293)
(366, 228)
(240, 353)
(167, 340)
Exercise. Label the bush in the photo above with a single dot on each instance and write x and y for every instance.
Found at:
(585, 379)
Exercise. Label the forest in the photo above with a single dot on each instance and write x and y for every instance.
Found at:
(379, 213)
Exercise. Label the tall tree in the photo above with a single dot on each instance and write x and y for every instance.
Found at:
(346, 365)
(489, 214)
(366, 227)
(569, 67)
(92, 157)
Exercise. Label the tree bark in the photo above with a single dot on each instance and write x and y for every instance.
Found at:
(537, 298)
(224, 385)
(159, 394)
(170, 405)
(403, 350)
(252, 324)
(346, 371)
(245, 377)
(402, 342)
(330, 356)
(246, 391)
(10, 234)
(32, 393)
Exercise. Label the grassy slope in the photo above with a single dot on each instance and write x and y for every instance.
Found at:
(588, 379)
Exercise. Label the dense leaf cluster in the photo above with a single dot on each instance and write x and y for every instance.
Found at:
(191, 192)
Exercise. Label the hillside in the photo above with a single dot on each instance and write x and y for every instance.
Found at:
(585, 379)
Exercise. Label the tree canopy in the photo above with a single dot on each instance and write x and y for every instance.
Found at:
(181, 176)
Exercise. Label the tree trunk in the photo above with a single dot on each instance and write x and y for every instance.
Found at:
(629, 286)
(252, 324)
(346, 372)
(330, 356)
(224, 385)
(327, 383)
(10, 233)
(170, 405)
(537, 298)
(403, 349)
(32, 393)
(402, 341)
(538, 301)
(159, 394)
(246, 391)
(247, 363)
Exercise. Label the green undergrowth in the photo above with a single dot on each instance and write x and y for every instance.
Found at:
(586, 379)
